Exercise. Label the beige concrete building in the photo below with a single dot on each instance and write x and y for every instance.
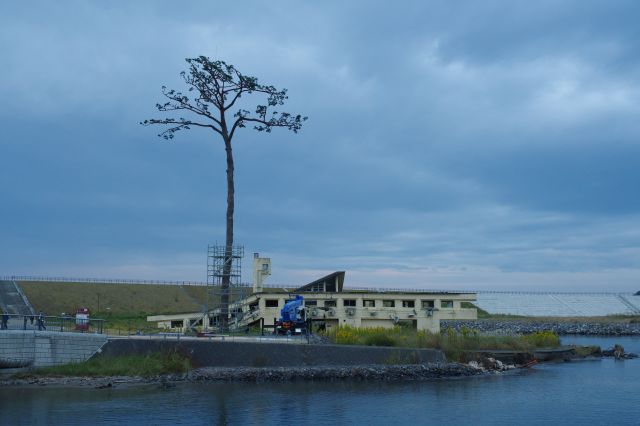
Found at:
(328, 304)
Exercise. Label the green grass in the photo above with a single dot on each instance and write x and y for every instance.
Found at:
(54, 298)
(126, 324)
(134, 365)
(115, 300)
(452, 343)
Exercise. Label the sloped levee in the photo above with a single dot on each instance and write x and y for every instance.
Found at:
(13, 300)
(248, 354)
(19, 348)
(558, 304)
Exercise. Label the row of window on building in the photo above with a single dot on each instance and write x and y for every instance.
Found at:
(369, 303)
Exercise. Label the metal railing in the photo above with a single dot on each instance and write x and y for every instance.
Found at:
(45, 278)
(134, 331)
(41, 278)
(226, 337)
(51, 323)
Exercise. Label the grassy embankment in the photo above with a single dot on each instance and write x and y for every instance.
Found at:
(54, 298)
(125, 307)
(451, 343)
(134, 365)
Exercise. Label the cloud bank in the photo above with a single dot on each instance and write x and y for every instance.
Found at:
(450, 144)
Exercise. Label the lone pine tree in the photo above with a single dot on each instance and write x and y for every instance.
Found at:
(214, 90)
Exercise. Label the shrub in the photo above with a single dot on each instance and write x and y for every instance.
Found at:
(131, 365)
(379, 339)
(454, 344)
(345, 336)
(543, 339)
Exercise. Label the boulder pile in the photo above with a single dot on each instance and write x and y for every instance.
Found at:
(412, 372)
(559, 327)
(323, 373)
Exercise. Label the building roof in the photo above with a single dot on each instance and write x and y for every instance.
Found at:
(334, 283)
(331, 283)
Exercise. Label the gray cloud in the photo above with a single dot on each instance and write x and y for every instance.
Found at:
(450, 143)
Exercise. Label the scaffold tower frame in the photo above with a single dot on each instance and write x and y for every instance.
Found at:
(216, 258)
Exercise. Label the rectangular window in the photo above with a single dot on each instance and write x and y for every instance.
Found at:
(408, 304)
(177, 324)
(428, 304)
(446, 304)
(368, 303)
(389, 303)
(330, 303)
(311, 303)
(349, 302)
(271, 303)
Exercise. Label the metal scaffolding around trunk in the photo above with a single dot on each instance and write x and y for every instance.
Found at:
(221, 298)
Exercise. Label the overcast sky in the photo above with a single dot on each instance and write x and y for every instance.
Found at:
(450, 144)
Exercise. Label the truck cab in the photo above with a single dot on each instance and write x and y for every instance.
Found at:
(293, 317)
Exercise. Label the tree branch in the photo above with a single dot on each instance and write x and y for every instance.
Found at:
(183, 104)
(235, 98)
(182, 124)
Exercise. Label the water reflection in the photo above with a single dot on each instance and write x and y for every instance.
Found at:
(594, 392)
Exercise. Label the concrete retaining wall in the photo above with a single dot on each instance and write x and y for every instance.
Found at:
(45, 348)
(247, 354)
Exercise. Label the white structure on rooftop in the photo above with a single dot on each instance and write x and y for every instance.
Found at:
(261, 270)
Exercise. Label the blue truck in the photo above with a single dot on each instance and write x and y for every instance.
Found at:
(293, 317)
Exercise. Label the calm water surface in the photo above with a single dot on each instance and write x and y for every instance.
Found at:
(580, 393)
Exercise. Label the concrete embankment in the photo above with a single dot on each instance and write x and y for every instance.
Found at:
(512, 327)
(205, 353)
(19, 348)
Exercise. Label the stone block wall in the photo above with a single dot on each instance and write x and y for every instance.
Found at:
(45, 348)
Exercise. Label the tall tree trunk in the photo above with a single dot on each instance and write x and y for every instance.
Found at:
(228, 249)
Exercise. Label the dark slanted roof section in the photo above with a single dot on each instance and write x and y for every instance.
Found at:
(331, 283)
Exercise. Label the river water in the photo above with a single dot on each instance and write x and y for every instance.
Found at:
(579, 392)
